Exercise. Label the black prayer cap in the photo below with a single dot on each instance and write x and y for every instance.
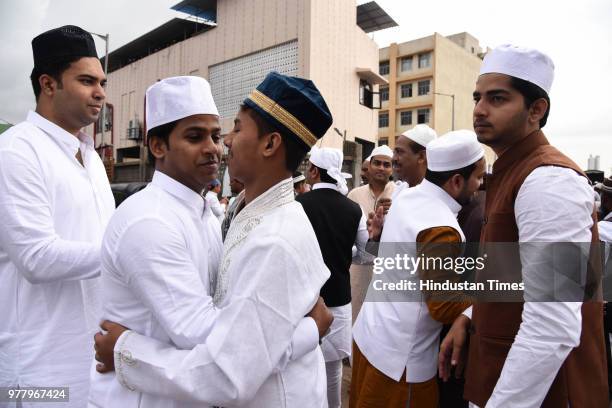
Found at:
(61, 43)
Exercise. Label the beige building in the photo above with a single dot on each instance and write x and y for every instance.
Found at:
(234, 44)
(431, 81)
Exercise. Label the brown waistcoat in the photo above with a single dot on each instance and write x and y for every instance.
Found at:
(582, 379)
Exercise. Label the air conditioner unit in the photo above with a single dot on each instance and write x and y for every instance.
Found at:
(134, 131)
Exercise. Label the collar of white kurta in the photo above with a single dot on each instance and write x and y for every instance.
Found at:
(180, 191)
(67, 141)
(325, 185)
(388, 186)
(433, 190)
(244, 222)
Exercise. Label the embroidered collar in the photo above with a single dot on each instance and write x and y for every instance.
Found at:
(243, 223)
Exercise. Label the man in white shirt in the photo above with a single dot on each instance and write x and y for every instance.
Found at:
(54, 206)
(162, 248)
(212, 197)
(270, 275)
(409, 167)
(339, 224)
(376, 193)
(535, 353)
(397, 334)
(409, 158)
(379, 189)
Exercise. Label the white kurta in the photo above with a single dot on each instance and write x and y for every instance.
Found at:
(54, 212)
(397, 336)
(215, 206)
(159, 254)
(271, 274)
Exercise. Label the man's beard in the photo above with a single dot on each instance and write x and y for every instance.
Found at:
(514, 126)
(464, 198)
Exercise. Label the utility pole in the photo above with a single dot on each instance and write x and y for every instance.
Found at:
(453, 108)
(105, 38)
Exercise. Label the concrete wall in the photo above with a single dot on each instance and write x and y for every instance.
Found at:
(337, 47)
(397, 77)
(456, 74)
(330, 47)
(244, 27)
(454, 70)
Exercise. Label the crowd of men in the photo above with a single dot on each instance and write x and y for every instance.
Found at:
(168, 301)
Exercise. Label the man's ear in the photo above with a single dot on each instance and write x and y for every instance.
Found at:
(422, 157)
(537, 110)
(48, 84)
(158, 147)
(457, 182)
(273, 142)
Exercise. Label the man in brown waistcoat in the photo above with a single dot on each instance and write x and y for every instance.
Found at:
(531, 354)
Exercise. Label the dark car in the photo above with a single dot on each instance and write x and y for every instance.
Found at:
(121, 191)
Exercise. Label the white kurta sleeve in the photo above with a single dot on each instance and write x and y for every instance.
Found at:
(305, 339)
(360, 255)
(28, 235)
(554, 204)
(154, 258)
(272, 288)
(215, 205)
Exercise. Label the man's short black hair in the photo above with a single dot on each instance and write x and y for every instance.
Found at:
(295, 150)
(325, 178)
(415, 147)
(161, 132)
(440, 177)
(531, 93)
(54, 69)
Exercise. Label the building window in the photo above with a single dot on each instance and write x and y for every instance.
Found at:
(423, 116)
(383, 120)
(406, 90)
(406, 64)
(424, 87)
(384, 93)
(233, 80)
(383, 68)
(406, 118)
(367, 97)
(425, 60)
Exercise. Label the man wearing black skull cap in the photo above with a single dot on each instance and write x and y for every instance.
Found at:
(55, 204)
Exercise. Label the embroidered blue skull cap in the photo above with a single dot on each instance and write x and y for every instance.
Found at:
(292, 105)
